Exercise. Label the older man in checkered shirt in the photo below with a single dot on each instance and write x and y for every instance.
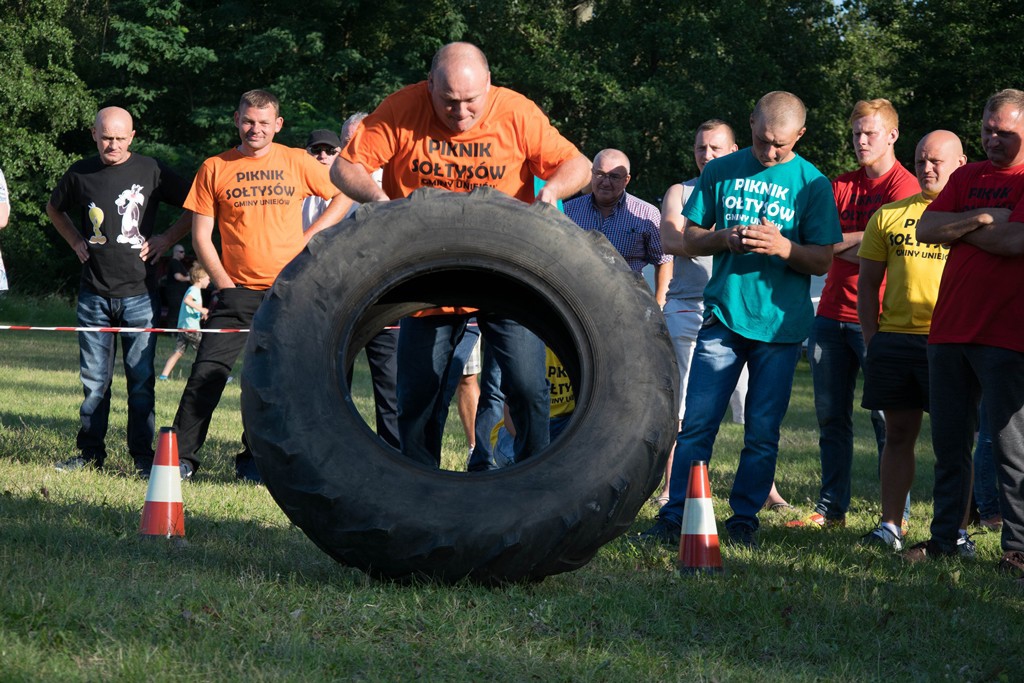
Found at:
(629, 223)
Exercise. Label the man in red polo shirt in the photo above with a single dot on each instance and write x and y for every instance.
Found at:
(835, 347)
(976, 344)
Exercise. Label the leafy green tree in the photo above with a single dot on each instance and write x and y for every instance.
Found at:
(42, 100)
(954, 55)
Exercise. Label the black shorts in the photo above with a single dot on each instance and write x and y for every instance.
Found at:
(896, 372)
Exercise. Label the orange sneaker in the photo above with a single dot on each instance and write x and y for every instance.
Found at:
(818, 521)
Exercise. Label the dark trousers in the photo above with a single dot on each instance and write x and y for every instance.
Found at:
(382, 357)
(217, 353)
(958, 375)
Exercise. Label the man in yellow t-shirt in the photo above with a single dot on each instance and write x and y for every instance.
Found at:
(896, 370)
(253, 195)
(457, 132)
(563, 404)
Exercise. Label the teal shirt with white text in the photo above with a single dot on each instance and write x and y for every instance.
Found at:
(758, 296)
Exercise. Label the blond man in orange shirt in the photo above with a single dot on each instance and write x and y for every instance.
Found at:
(252, 195)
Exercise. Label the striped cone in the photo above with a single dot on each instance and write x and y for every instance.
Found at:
(698, 545)
(163, 514)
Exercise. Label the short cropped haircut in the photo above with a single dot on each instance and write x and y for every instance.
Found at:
(712, 124)
(259, 99)
(880, 106)
(1008, 97)
(780, 107)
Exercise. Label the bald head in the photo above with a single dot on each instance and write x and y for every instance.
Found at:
(780, 109)
(938, 154)
(458, 84)
(453, 53)
(614, 157)
(113, 116)
(113, 133)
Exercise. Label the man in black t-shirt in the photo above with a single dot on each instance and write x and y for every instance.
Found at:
(115, 197)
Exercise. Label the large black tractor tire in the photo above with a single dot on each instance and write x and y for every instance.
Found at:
(360, 500)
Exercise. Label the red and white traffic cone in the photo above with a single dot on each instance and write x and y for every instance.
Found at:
(163, 514)
(698, 545)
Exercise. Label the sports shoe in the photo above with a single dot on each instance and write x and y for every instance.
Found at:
(926, 550)
(77, 463)
(1012, 562)
(186, 469)
(245, 470)
(882, 537)
(743, 535)
(162, 378)
(664, 531)
(965, 547)
(819, 521)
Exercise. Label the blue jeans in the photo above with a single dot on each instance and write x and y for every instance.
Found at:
(986, 488)
(490, 407)
(836, 353)
(489, 412)
(96, 352)
(717, 362)
(425, 348)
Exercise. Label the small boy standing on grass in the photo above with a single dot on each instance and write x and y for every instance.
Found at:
(189, 316)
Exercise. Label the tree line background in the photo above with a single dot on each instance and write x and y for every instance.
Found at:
(638, 75)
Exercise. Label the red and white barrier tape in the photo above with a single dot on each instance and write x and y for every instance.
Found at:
(169, 330)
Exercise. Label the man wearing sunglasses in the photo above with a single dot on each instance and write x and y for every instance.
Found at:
(323, 145)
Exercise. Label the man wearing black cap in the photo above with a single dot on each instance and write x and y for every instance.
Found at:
(323, 145)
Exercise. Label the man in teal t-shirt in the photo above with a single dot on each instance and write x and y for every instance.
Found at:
(769, 218)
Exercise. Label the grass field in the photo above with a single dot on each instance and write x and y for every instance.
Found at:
(248, 598)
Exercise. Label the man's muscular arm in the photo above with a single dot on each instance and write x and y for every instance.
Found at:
(1001, 239)
(765, 238)
(202, 244)
(570, 177)
(158, 244)
(332, 215)
(69, 232)
(355, 182)
(946, 227)
(701, 241)
(672, 238)
(869, 282)
(847, 249)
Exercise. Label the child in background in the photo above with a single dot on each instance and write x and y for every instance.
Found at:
(192, 311)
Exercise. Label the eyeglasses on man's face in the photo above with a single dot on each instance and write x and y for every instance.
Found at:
(614, 177)
(317, 150)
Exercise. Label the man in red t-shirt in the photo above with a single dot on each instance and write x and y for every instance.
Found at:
(835, 347)
(976, 344)
(456, 131)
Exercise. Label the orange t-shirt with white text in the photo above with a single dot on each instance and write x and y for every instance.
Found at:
(512, 142)
(257, 205)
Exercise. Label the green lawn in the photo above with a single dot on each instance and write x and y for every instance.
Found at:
(248, 597)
